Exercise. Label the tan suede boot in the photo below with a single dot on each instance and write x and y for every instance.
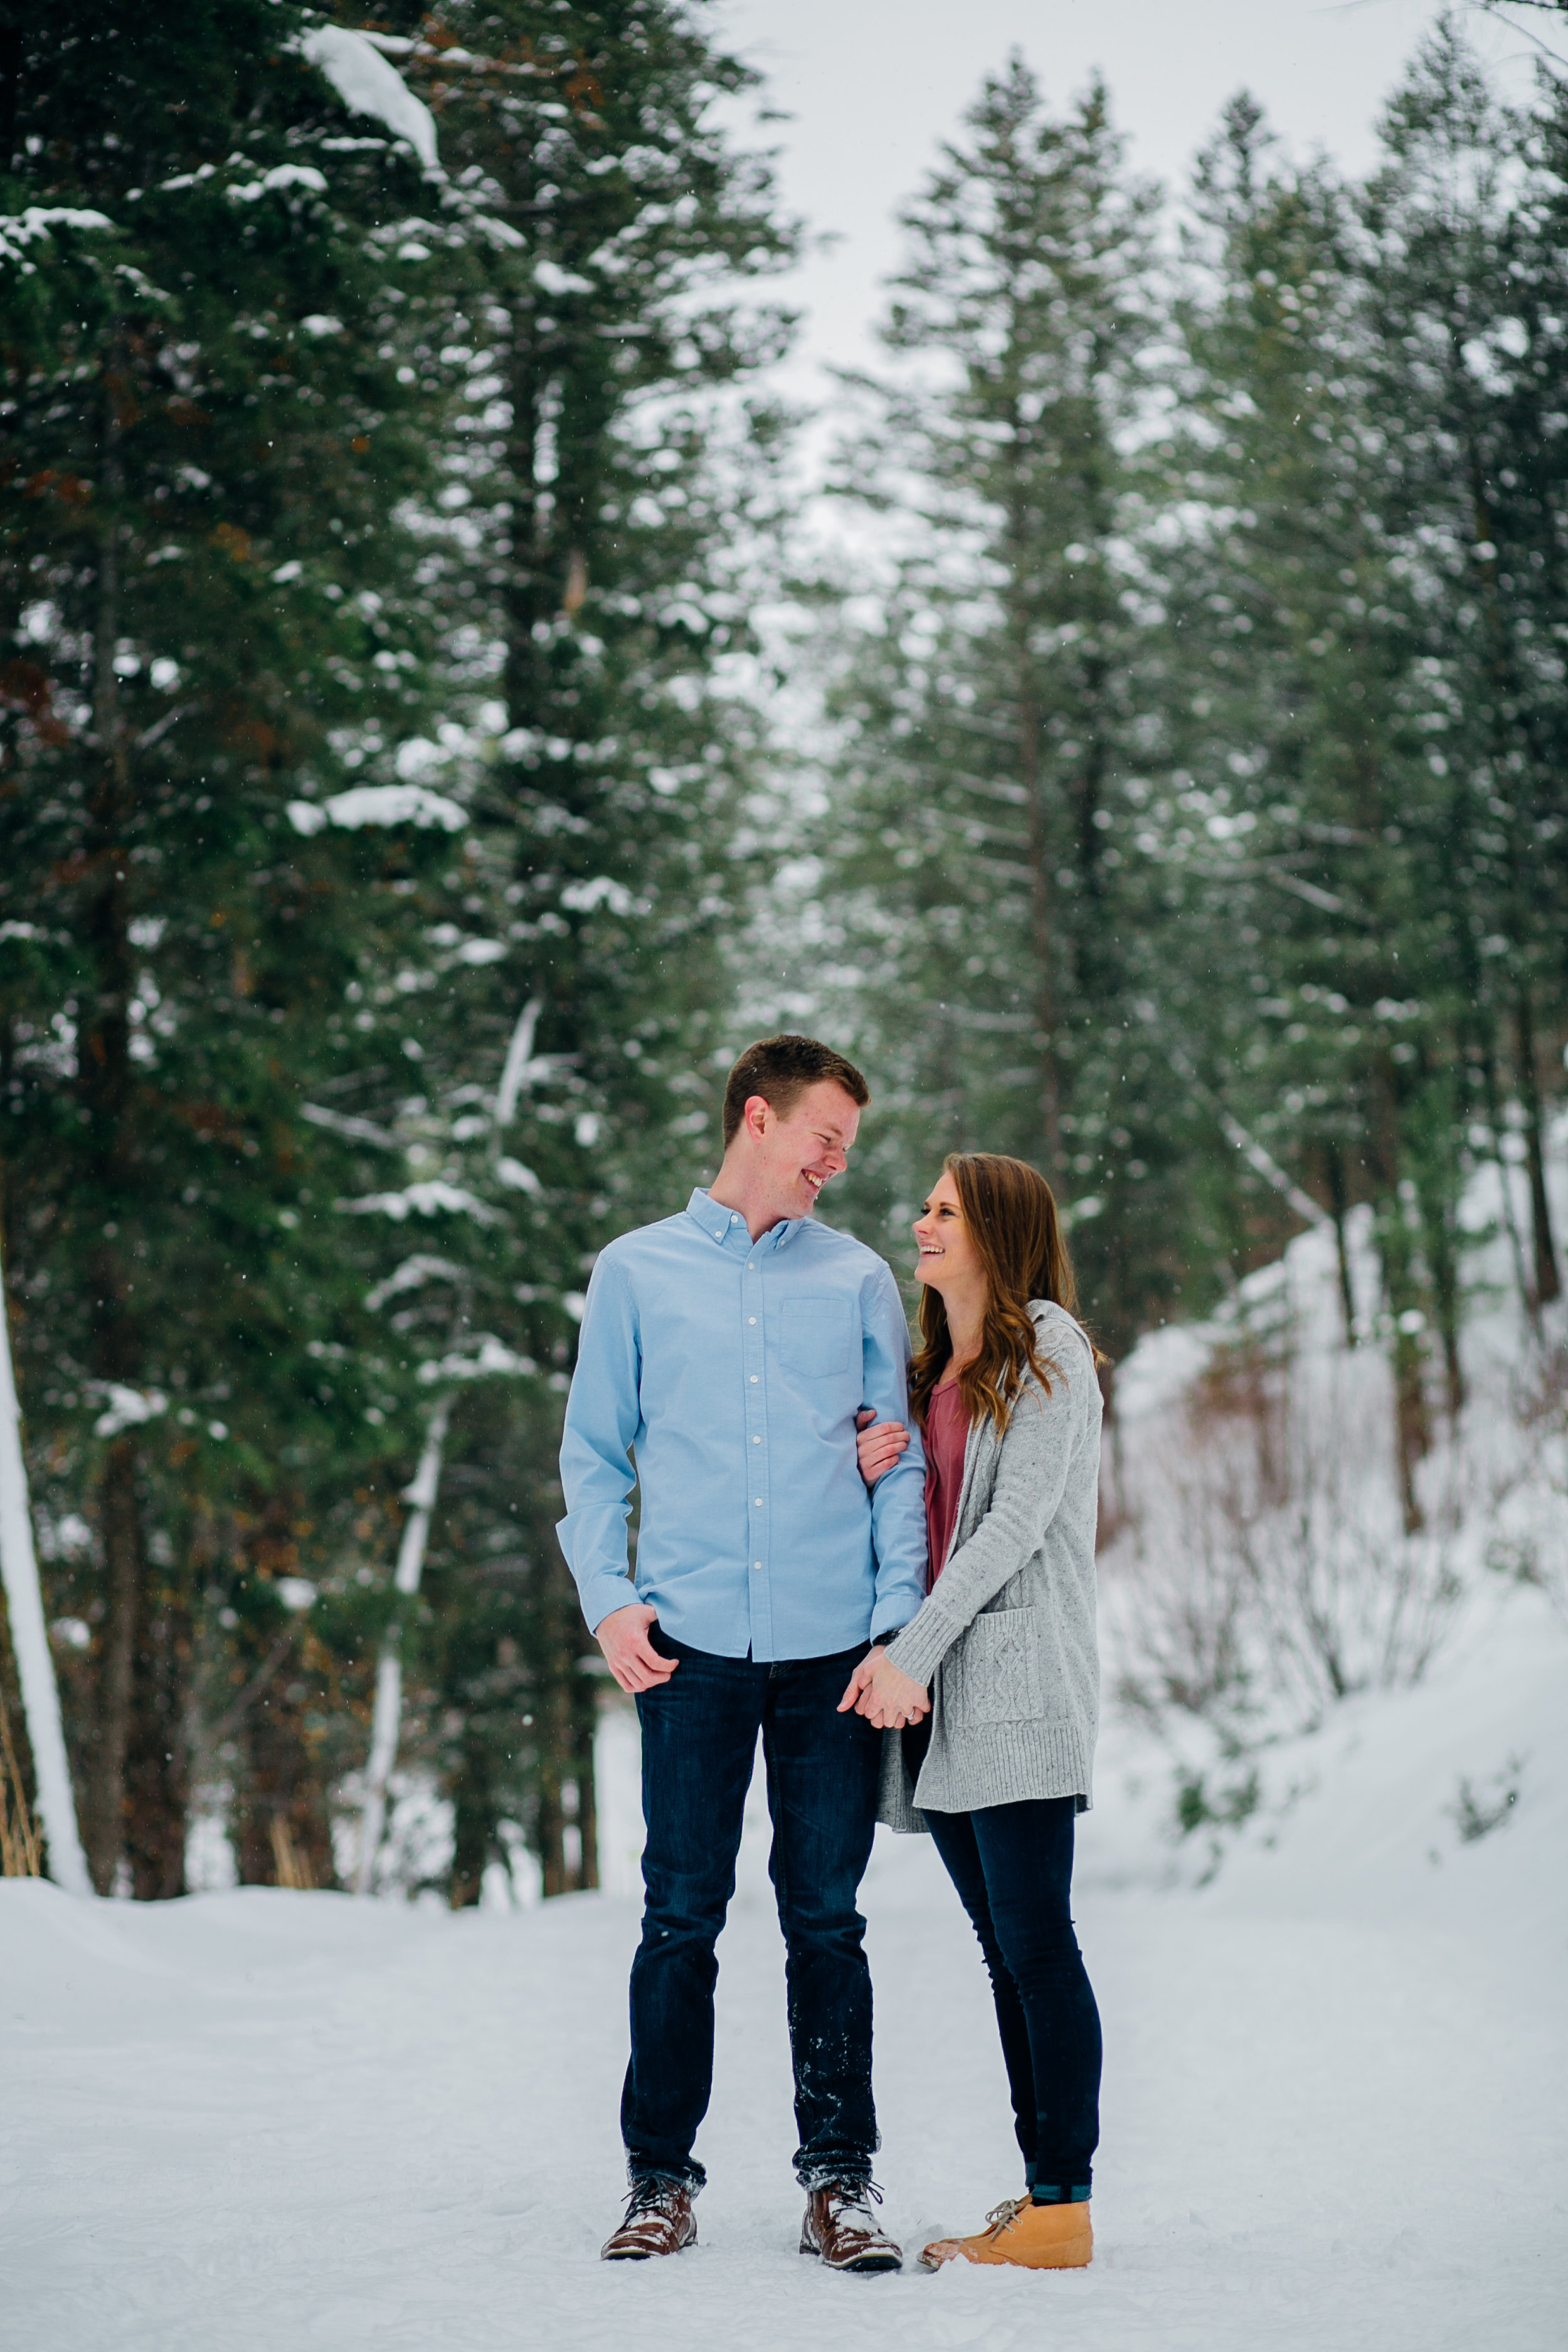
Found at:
(1033, 2237)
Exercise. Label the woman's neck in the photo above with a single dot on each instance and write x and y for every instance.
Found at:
(965, 1327)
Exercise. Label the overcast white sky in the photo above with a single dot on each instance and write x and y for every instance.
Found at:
(874, 85)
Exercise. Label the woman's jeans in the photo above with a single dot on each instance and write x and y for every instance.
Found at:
(1012, 1865)
(698, 1743)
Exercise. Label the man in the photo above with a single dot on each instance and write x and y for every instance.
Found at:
(730, 1348)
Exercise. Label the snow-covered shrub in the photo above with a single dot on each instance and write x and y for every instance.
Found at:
(1258, 1566)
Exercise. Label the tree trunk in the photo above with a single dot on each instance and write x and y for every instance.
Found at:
(1412, 1424)
(1503, 667)
(104, 1093)
(157, 1758)
(54, 1802)
(1339, 1203)
(554, 1749)
(1443, 1267)
(474, 1843)
(282, 1833)
(1548, 1284)
(584, 1725)
(1530, 1303)
(387, 1719)
(278, 1823)
(119, 1524)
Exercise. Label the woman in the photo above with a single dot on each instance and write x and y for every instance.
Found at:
(997, 1677)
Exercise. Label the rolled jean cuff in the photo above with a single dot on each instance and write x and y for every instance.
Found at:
(640, 2175)
(831, 2176)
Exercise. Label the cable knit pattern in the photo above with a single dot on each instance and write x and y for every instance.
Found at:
(1006, 1640)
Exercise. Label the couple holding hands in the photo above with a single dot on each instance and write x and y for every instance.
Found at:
(886, 1569)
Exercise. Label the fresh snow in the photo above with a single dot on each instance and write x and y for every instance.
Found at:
(19, 230)
(364, 804)
(434, 1197)
(368, 85)
(1334, 2100)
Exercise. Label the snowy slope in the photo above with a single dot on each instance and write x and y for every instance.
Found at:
(1334, 2110)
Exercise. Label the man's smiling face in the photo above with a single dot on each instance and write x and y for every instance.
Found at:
(799, 1151)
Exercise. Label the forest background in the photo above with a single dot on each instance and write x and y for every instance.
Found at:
(431, 748)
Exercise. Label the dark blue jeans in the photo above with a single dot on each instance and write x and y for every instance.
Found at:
(699, 1741)
(1012, 1865)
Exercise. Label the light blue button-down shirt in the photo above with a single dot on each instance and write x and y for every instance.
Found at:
(733, 1370)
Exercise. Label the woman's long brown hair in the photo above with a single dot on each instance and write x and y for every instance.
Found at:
(1011, 1214)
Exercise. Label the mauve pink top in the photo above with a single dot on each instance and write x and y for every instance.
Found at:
(946, 1434)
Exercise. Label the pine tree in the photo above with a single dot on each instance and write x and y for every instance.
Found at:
(204, 588)
(1000, 726)
(606, 480)
(1304, 837)
(1467, 290)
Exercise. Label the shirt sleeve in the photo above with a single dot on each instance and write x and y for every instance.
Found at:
(603, 1415)
(898, 1499)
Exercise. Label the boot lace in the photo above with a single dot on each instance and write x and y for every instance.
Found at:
(1000, 2216)
(864, 2193)
(652, 2197)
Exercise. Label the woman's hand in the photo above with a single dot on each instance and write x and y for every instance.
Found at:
(884, 1695)
(879, 1445)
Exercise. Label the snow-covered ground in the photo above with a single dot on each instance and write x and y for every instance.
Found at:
(1336, 2099)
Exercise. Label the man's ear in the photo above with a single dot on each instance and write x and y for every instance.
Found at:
(757, 1113)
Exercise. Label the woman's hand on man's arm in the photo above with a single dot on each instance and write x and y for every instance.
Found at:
(879, 1445)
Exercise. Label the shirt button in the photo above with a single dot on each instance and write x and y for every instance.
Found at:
(750, 1266)
(753, 1379)
(759, 1502)
(756, 1440)
(756, 1563)
(751, 1319)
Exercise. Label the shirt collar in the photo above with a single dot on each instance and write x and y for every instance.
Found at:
(728, 1228)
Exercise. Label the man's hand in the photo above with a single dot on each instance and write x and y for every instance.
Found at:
(884, 1695)
(631, 1657)
(879, 1445)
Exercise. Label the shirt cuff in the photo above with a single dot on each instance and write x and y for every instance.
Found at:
(890, 1614)
(605, 1595)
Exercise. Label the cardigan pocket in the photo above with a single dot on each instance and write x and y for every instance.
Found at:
(992, 1674)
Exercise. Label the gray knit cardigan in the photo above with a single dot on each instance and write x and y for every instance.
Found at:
(1006, 1635)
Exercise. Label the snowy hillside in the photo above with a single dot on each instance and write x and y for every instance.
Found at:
(1262, 1575)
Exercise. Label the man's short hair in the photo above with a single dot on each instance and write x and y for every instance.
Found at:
(780, 1069)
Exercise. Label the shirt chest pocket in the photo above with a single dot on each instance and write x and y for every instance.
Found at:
(815, 1337)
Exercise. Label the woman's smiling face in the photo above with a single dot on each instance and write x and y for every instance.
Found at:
(948, 1254)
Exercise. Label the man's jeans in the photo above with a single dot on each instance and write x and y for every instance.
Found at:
(699, 1741)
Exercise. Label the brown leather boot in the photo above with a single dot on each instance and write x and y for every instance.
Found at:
(1032, 2237)
(658, 2221)
(840, 2226)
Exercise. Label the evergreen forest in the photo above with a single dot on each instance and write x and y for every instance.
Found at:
(411, 800)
